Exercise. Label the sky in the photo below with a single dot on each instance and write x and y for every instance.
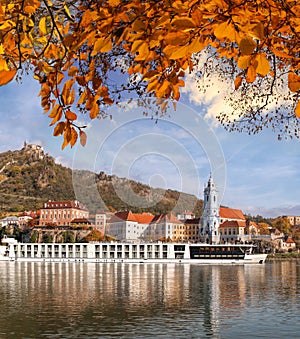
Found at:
(255, 173)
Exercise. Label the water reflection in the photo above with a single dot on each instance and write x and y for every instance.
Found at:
(76, 300)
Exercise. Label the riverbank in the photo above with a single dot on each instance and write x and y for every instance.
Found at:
(284, 256)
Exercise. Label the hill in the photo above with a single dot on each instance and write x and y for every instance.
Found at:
(29, 177)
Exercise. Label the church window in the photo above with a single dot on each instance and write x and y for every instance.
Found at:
(214, 198)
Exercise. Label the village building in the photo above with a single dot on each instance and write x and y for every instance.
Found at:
(294, 220)
(166, 227)
(101, 220)
(192, 229)
(128, 226)
(35, 150)
(62, 213)
(10, 221)
(186, 215)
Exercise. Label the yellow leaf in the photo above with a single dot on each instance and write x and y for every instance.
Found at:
(6, 76)
(3, 65)
(143, 51)
(263, 65)
(1, 49)
(7, 24)
(226, 30)
(244, 61)
(67, 11)
(247, 45)
(251, 74)
(43, 25)
(179, 53)
(161, 91)
(293, 82)
(102, 45)
(83, 138)
(152, 84)
(195, 46)
(136, 44)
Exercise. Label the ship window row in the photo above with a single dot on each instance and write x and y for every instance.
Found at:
(84, 248)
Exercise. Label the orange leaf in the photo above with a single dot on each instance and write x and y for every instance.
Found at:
(263, 65)
(57, 116)
(238, 81)
(251, 74)
(247, 45)
(293, 82)
(183, 23)
(244, 61)
(94, 111)
(74, 136)
(70, 115)
(226, 30)
(6, 76)
(83, 138)
(258, 31)
(59, 128)
(297, 109)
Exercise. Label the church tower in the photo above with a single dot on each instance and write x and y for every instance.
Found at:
(210, 218)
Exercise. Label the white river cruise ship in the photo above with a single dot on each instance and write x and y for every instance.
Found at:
(152, 252)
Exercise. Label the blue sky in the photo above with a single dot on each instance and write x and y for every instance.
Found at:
(257, 174)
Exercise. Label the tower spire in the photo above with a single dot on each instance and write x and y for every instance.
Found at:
(210, 217)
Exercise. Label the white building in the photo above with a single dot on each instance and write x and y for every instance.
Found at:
(128, 226)
(210, 219)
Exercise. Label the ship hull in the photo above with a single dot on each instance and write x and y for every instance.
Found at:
(116, 252)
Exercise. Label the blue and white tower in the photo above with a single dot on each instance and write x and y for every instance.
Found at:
(209, 232)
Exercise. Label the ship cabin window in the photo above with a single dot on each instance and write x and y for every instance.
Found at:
(178, 248)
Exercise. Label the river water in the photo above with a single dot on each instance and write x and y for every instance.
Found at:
(85, 300)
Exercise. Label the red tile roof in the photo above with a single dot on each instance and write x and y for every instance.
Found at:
(290, 241)
(64, 204)
(196, 221)
(233, 223)
(141, 218)
(230, 213)
(170, 217)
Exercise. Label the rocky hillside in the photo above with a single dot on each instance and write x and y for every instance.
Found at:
(29, 177)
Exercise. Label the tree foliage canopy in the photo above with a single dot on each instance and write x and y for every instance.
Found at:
(89, 54)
